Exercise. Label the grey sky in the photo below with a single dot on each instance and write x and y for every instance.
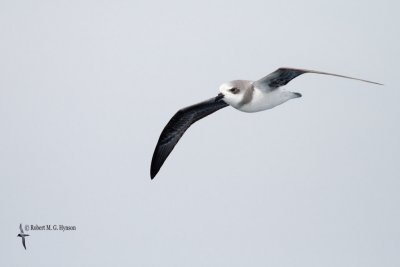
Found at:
(87, 86)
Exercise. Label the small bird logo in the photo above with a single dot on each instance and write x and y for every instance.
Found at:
(22, 235)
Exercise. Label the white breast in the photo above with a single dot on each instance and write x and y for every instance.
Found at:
(266, 100)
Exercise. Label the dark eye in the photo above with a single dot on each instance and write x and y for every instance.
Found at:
(234, 90)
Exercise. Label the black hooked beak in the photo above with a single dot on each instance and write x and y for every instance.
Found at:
(219, 97)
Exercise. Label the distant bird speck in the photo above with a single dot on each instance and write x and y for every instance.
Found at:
(22, 235)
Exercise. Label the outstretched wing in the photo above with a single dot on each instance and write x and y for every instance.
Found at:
(283, 76)
(177, 126)
(20, 228)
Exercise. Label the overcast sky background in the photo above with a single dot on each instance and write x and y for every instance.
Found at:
(87, 86)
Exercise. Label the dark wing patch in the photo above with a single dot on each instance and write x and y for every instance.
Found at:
(177, 126)
(283, 76)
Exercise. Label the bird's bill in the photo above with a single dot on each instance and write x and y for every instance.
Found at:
(219, 97)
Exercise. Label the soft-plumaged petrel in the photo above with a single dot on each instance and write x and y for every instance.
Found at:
(246, 96)
(22, 235)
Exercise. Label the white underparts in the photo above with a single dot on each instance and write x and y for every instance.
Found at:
(262, 100)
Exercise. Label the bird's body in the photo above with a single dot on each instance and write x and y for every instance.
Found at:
(259, 100)
(243, 95)
(267, 100)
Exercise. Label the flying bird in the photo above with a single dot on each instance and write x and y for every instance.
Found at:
(22, 235)
(244, 95)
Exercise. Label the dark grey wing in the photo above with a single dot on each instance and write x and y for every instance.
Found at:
(283, 76)
(177, 126)
(23, 242)
(20, 228)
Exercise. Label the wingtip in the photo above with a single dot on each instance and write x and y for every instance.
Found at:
(376, 83)
(152, 174)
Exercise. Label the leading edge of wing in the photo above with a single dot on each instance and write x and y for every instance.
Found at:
(283, 76)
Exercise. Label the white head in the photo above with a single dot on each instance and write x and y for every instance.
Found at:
(237, 93)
